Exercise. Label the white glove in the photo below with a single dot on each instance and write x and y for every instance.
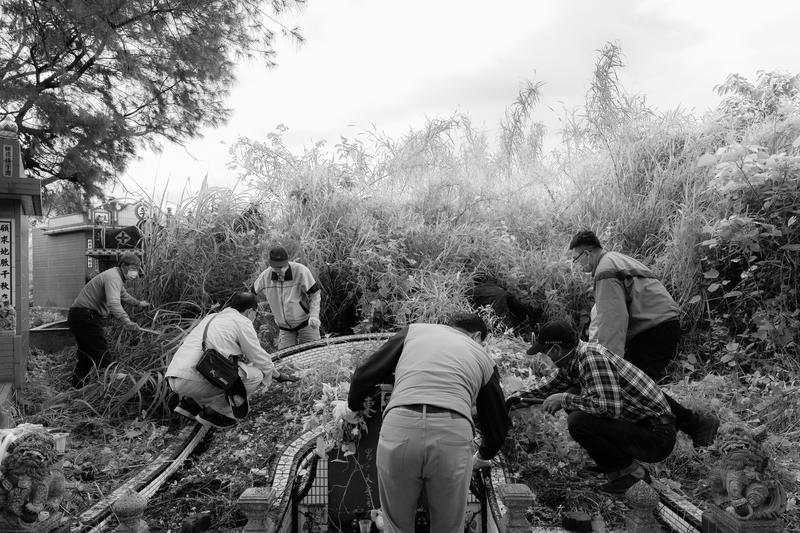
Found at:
(479, 462)
(342, 412)
(314, 322)
(144, 303)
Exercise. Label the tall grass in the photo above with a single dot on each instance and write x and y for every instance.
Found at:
(397, 230)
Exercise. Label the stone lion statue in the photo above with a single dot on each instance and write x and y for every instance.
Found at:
(741, 480)
(27, 483)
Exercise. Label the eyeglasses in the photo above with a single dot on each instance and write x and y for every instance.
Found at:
(575, 260)
(556, 361)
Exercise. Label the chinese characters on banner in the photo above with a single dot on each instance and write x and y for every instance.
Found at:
(6, 261)
(8, 161)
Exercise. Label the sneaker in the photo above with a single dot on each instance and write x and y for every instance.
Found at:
(622, 484)
(705, 430)
(209, 417)
(188, 408)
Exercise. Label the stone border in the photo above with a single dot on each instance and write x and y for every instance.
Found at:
(147, 481)
(675, 510)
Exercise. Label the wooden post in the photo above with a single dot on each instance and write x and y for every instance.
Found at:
(255, 502)
(517, 497)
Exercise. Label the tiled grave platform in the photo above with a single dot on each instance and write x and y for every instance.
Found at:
(293, 471)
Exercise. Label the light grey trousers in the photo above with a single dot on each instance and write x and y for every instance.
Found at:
(287, 339)
(434, 449)
(207, 395)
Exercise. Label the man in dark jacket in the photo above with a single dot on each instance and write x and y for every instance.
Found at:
(103, 295)
(441, 371)
(636, 318)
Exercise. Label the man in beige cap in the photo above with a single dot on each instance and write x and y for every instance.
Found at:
(293, 296)
(103, 295)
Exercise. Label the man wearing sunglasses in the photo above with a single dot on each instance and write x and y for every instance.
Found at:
(616, 413)
(636, 318)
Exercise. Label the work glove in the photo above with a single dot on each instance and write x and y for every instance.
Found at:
(131, 326)
(314, 322)
(480, 462)
(342, 412)
(144, 303)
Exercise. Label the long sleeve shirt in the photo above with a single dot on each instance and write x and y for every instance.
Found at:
(105, 293)
(293, 298)
(629, 299)
(439, 366)
(230, 333)
(610, 386)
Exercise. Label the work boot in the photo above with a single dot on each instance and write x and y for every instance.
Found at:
(188, 408)
(703, 429)
(622, 484)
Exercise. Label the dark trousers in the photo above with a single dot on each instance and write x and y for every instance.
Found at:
(651, 351)
(614, 444)
(93, 352)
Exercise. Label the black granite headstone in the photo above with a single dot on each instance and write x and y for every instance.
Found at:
(353, 480)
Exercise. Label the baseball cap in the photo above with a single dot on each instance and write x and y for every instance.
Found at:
(278, 258)
(237, 399)
(555, 332)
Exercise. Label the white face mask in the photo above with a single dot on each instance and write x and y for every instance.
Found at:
(132, 273)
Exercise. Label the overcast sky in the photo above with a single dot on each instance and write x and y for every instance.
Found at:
(392, 63)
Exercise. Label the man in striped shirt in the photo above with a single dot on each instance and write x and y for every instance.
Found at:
(619, 416)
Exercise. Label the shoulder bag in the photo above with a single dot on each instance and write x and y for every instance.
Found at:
(219, 370)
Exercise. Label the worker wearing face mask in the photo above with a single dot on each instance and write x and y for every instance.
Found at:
(293, 296)
(103, 295)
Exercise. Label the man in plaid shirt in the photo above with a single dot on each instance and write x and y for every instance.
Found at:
(618, 416)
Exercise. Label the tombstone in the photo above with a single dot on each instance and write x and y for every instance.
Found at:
(20, 197)
(353, 480)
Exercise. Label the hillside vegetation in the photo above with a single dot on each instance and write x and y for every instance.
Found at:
(397, 230)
